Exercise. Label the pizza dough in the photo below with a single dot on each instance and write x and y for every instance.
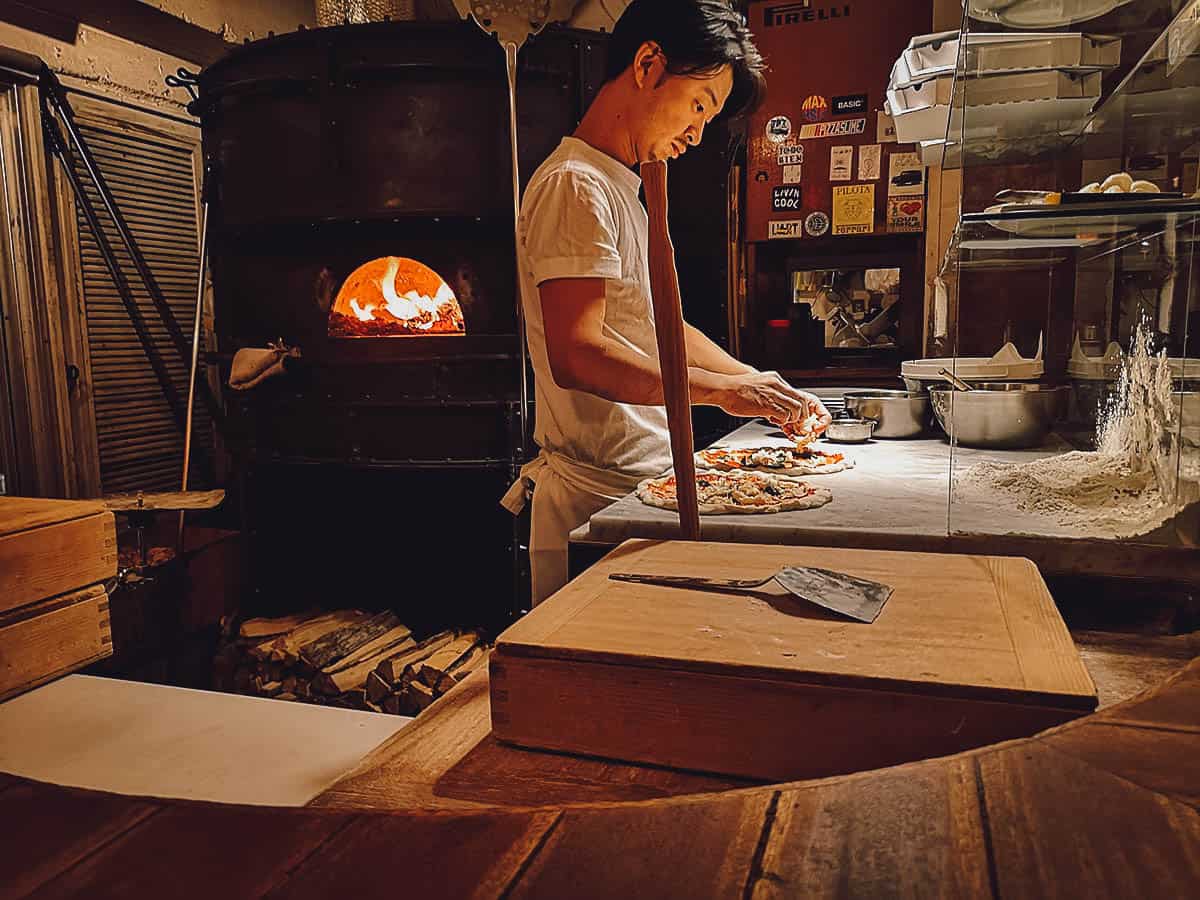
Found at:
(737, 492)
(779, 460)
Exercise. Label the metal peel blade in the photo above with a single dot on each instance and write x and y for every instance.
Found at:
(511, 21)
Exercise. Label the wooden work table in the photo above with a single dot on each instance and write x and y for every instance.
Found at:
(897, 498)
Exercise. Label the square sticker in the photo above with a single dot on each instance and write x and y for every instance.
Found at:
(841, 163)
(854, 209)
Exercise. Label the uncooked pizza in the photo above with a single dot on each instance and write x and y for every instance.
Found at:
(737, 492)
(781, 460)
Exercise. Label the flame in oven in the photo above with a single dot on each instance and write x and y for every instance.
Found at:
(395, 297)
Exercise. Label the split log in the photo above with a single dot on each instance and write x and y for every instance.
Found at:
(345, 640)
(475, 660)
(392, 669)
(377, 689)
(393, 640)
(354, 677)
(439, 663)
(393, 705)
(422, 695)
(263, 628)
(286, 647)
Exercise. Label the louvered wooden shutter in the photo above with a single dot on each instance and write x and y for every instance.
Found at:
(154, 181)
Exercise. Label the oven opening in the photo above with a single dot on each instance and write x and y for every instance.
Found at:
(395, 297)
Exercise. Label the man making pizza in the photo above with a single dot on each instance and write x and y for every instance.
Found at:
(673, 66)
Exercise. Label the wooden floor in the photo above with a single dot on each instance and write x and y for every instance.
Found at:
(1106, 806)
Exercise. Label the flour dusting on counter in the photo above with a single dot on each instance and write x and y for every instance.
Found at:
(1134, 482)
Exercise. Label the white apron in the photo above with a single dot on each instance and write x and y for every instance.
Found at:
(565, 494)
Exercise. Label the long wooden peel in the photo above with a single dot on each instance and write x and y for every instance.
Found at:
(672, 349)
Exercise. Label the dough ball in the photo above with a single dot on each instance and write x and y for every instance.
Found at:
(1093, 188)
(1145, 187)
(1124, 179)
(1115, 189)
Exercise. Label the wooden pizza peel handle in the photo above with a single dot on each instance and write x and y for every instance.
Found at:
(672, 349)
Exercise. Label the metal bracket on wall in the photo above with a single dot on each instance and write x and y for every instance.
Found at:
(189, 81)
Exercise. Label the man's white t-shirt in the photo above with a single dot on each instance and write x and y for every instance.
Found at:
(581, 218)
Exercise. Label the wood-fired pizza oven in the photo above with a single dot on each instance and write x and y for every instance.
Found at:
(361, 210)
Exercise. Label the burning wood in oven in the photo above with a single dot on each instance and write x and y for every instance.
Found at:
(347, 658)
(395, 297)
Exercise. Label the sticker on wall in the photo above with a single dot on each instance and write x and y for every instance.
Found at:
(906, 214)
(850, 105)
(841, 163)
(906, 175)
(832, 129)
(785, 199)
(791, 174)
(803, 12)
(790, 155)
(815, 108)
(788, 228)
(854, 209)
(868, 162)
(816, 224)
(779, 129)
(885, 128)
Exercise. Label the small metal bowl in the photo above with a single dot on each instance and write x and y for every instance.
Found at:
(850, 431)
(897, 414)
(1008, 415)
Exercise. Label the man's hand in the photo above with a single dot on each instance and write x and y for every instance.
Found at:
(766, 394)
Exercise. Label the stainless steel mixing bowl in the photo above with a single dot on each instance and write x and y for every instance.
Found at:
(1006, 415)
(897, 414)
(849, 430)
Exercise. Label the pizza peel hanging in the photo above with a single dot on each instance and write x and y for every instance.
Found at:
(672, 351)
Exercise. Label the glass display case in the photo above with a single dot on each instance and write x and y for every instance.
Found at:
(1072, 138)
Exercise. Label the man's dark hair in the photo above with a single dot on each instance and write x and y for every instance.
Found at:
(697, 37)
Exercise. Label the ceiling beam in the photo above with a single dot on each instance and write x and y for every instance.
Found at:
(29, 16)
(129, 19)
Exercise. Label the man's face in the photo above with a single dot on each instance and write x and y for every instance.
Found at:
(673, 110)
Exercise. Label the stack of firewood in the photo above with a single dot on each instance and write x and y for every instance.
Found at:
(347, 658)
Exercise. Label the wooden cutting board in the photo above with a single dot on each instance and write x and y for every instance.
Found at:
(968, 651)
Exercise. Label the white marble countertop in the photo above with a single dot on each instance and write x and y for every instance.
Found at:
(896, 497)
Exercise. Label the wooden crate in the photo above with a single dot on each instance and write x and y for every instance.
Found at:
(43, 641)
(51, 547)
(969, 650)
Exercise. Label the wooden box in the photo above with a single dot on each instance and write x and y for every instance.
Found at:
(46, 640)
(50, 547)
(54, 615)
(968, 651)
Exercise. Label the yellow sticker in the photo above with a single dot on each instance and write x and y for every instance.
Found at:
(854, 209)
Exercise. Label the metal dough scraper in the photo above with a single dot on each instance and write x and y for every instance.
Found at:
(848, 595)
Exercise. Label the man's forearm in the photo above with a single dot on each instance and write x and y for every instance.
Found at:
(621, 375)
(705, 354)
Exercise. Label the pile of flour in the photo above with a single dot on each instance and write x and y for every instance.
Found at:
(1131, 484)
